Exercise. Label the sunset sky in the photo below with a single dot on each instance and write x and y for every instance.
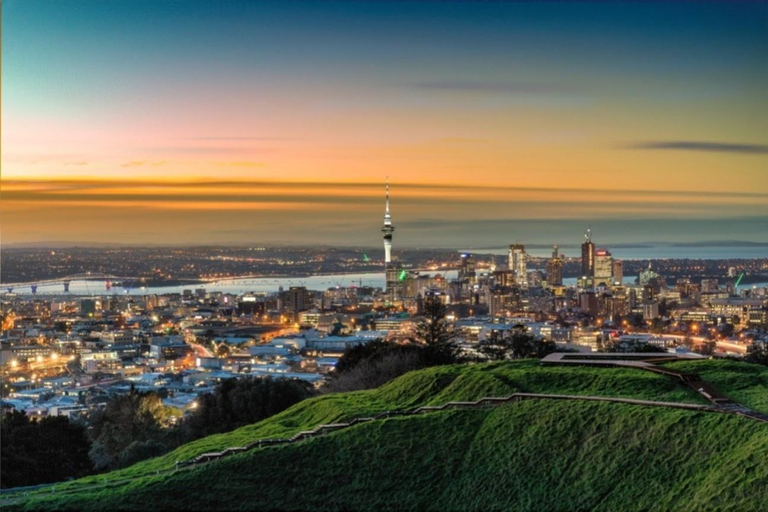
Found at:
(195, 122)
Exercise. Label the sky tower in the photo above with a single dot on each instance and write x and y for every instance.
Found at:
(387, 229)
(394, 275)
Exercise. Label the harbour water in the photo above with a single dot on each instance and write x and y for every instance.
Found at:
(261, 285)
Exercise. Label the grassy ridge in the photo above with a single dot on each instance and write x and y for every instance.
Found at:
(439, 385)
(742, 382)
(533, 455)
(433, 386)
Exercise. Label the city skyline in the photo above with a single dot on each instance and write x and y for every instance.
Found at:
(203, 122)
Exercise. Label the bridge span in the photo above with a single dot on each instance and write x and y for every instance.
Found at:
(108, 279)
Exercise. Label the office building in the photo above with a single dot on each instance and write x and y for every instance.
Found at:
(618, 272)
(555, 269)
(588, 256)
(517, 264)
(603, 268)
(467, 268)
(296, 299)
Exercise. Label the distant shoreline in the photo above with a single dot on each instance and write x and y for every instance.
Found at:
(102, 246)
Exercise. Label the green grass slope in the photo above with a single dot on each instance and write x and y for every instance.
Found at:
(650, 434)
(432, 386)
(742, 382)
(533, 455)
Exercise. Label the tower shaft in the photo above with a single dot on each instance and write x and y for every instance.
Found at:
(387, 229)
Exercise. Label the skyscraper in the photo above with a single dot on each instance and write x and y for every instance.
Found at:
(517, 264)
(588, 256)
(555, 269)
(603, 265)
(467, 268)
(618, 272)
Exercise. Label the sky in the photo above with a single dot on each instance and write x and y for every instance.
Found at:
(229, 122)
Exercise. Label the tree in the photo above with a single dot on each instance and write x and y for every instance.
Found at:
(757, 354)
(141, 450)
(495, 347)
(222, 349)
(374, 363)
(634, 347)
(41, 451)
(353, 356)
(436, 333)
(238, 402)
(727, 330)
(707, 348)
(516, 343)
(636, 320)
(126, 419)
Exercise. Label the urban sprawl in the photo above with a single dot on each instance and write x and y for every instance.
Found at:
(65, 355)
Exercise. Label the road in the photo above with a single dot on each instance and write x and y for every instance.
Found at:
(727, 346)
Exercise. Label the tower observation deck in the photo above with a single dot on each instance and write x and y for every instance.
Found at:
(387, 229)
(391, 269)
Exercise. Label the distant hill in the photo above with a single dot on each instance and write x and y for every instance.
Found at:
(531, 455)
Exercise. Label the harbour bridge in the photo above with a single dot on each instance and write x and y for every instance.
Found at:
(127, 282)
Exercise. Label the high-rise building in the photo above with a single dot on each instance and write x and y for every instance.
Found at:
(467, 268)
(503, 277)
(555, 269)
(502, 299)
(588, 302)
(296, 299)
(588, 256)
(650, 310)
(603, 268)
(517, 264)
(395, 276)
(618, 272)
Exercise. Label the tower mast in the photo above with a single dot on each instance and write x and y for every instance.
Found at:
(387, 229)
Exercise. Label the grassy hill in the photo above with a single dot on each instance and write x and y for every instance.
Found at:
(744, 383)
(531, 455)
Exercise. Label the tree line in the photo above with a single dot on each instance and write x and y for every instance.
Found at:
(132, 427)
(434, 343)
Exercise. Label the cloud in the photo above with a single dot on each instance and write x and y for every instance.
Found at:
(462, 140)
(204, 150)
(527, 88)
(242, 164)
(239, 138)
(139, 163)
(372, 189)
(718, 147)
(82, 162)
